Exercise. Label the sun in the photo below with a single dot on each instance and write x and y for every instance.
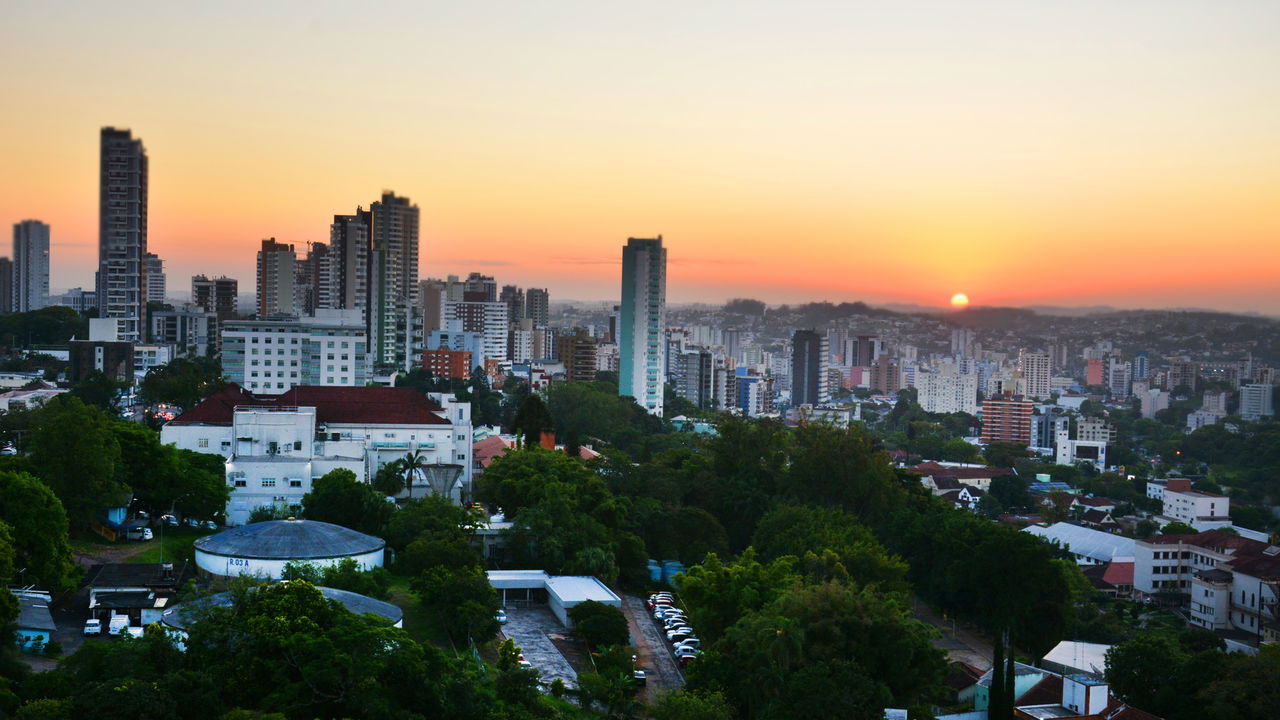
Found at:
(959, 300)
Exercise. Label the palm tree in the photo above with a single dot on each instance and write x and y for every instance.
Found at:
(410, 465)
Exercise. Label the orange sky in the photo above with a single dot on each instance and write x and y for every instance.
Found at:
(1024, 153)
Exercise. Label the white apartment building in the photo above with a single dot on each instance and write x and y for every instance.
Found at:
(1230, 582)
(641, 321)
(1256, 401)
(488, 320)
(1035, 373)
(275, 446)
(1200, 510)
(947, 392)
(272, 356)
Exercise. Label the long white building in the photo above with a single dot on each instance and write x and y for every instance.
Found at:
(276, 445)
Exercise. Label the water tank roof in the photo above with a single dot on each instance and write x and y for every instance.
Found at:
(289, 540)
(180, 616)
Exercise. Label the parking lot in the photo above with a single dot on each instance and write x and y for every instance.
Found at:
(529, 628)
(652, 650)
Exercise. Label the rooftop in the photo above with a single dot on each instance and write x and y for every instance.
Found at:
(181, 616)
(147, 575)
(33, 614)
(333, 404)
(1093, 544)
(580, 588)
(289, 540)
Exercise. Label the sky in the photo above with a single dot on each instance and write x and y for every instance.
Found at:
(1024, 152)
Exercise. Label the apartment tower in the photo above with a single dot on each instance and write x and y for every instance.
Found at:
(641, 348)
(122, 232)
(30, 288)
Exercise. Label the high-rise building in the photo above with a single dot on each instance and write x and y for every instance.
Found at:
(886, 375)
(156, 286)
(6, 285)
(537, 306)
(395, 337)
(1006, 419)
(122, 232)
(277, 273)
(30, 274)
(1035, 373)
(578, 353)
(961, 341)
(487, 319)
(641, 322)
(1119, 378)
(217, 295)
(1141, 365)
(514, 298)
(947, 392)
(345, 277)
(484, 286)
(1257, 401)
(810, 360)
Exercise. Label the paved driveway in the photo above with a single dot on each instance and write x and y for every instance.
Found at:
(528, 627)
(652, 651)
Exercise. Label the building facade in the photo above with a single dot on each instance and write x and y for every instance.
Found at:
(641, 321)
(810, 360)
(1007, 419)
(156, 285)
(215, 295)
(272, 356)
(394, 335)
(276, 446)
(122, 232)
(30, 273)
(947, 392)
(277, 272)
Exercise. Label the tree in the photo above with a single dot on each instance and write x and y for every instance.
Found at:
(100, 391)
(825, 650)
(531, 420)
(39, 527)
(183, 382)
(717, 594)
(1004, 455)
(1145, 528)
(685, 704)
(1139, 671)
(389, 479)
(1011, 491)
(599, 624)
(74, 450)
(411, 465)
(346, 574)
(1178, 528)
(795, 531)
(338, 498)
(463, 600)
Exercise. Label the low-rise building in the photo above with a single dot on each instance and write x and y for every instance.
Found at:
(272, 356)
(1201, 510)
(1086, 545)
(276, 445)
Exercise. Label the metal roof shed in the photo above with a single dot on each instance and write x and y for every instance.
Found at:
(566, 591)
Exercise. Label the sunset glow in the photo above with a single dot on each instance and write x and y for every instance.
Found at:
(849, 151)
(959, 300)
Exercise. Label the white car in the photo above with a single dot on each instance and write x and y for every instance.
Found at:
(93, 626)
(147, 534)
(501, 617)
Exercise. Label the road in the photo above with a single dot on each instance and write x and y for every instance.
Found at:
(960, 642)
(652, 651)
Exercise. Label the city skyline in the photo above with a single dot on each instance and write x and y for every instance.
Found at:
(1024, 156)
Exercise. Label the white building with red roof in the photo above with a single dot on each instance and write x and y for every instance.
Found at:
(276, 445)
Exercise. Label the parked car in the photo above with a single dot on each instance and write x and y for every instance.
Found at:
(93, 626)
(525, 664)
(209, 525)
(501, 617)
(679, 634)
(639, 677)
(193, 523)
(690, 643)
(169, 520)
(674, 624)
(684, 650)
(147, 534)
(684, 660)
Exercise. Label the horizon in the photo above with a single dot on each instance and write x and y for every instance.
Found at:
(1023, 155)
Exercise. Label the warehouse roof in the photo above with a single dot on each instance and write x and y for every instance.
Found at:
(1093, 544)
(289, 540)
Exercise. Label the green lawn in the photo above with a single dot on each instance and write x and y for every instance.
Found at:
(176, 546)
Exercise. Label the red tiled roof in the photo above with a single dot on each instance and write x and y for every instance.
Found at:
(357, 405)
(1264, 567)
(1097, 517)
(489, 449)
(1096, 502)
(1119, 573)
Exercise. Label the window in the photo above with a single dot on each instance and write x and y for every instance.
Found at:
(295, 483)
(240, 482)
(268, 482)
(202, 442)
